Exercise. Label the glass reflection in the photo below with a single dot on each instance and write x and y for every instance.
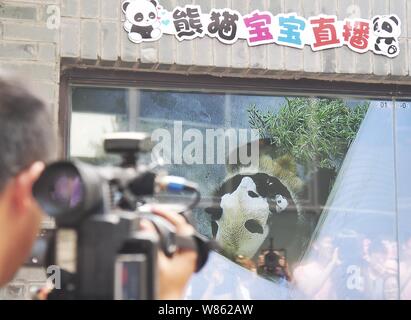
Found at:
(355, 242)
(314, 278)
(403, 160)
(405, 269)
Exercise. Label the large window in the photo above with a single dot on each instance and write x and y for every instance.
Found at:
(320, 212)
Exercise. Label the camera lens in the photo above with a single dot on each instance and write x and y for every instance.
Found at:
(70, 192)
(67, 191)
(60, 189)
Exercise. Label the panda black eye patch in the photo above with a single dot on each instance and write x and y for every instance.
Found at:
(254, 226)
(151, 15)
(252, 194)
(387, 27)
(139, 17)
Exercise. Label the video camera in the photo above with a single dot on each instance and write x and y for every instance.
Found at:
(97, 242)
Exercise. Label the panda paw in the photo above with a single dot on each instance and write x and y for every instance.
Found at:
(155, 34)
(127, 26)
(392, 50)
(135, 37)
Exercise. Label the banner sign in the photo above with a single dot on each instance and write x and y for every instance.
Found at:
(147, 20)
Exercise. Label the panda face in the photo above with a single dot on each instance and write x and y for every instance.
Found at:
(387, 26)
(141, 13)
(246, 200)
(244, 210)
(243, 226)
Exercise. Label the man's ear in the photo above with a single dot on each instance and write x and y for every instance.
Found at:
(22, 187)
(125, 5)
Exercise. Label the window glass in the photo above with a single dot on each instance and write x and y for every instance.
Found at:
(403, 172)
(353, 253)
(299, 192)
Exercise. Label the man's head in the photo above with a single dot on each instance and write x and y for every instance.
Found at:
(26, 142)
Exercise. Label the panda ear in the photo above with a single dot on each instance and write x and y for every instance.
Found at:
(375, 19)
(154, 2)
(125, 5)
(394, 18)
(214, 228)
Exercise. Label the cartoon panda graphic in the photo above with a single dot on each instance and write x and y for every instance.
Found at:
(387, 30)
(142, 20)
(254, 204)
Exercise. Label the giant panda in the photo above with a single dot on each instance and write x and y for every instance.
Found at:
(273, 200)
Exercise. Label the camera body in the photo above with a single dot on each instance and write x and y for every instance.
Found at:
(90, 257)
(97, 242)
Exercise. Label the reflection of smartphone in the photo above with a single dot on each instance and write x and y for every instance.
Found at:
(130, 277)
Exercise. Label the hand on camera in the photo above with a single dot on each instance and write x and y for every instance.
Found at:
(174, 272)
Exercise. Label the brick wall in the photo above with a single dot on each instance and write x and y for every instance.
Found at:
(33, 41)
(91, 33)
(27, 46)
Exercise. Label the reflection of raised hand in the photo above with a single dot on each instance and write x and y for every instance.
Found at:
(391, 266)
(314, 279)
(366, 244)
(217, 278)
(335, 261)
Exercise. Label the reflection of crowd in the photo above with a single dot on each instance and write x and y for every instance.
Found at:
(382, 269)
(365, 270)
(336, 268)
(405, 269)
(314, 278)
(353, 267)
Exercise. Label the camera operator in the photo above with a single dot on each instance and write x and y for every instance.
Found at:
(26, 144)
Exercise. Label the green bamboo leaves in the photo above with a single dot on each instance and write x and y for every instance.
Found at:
(316, 132)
